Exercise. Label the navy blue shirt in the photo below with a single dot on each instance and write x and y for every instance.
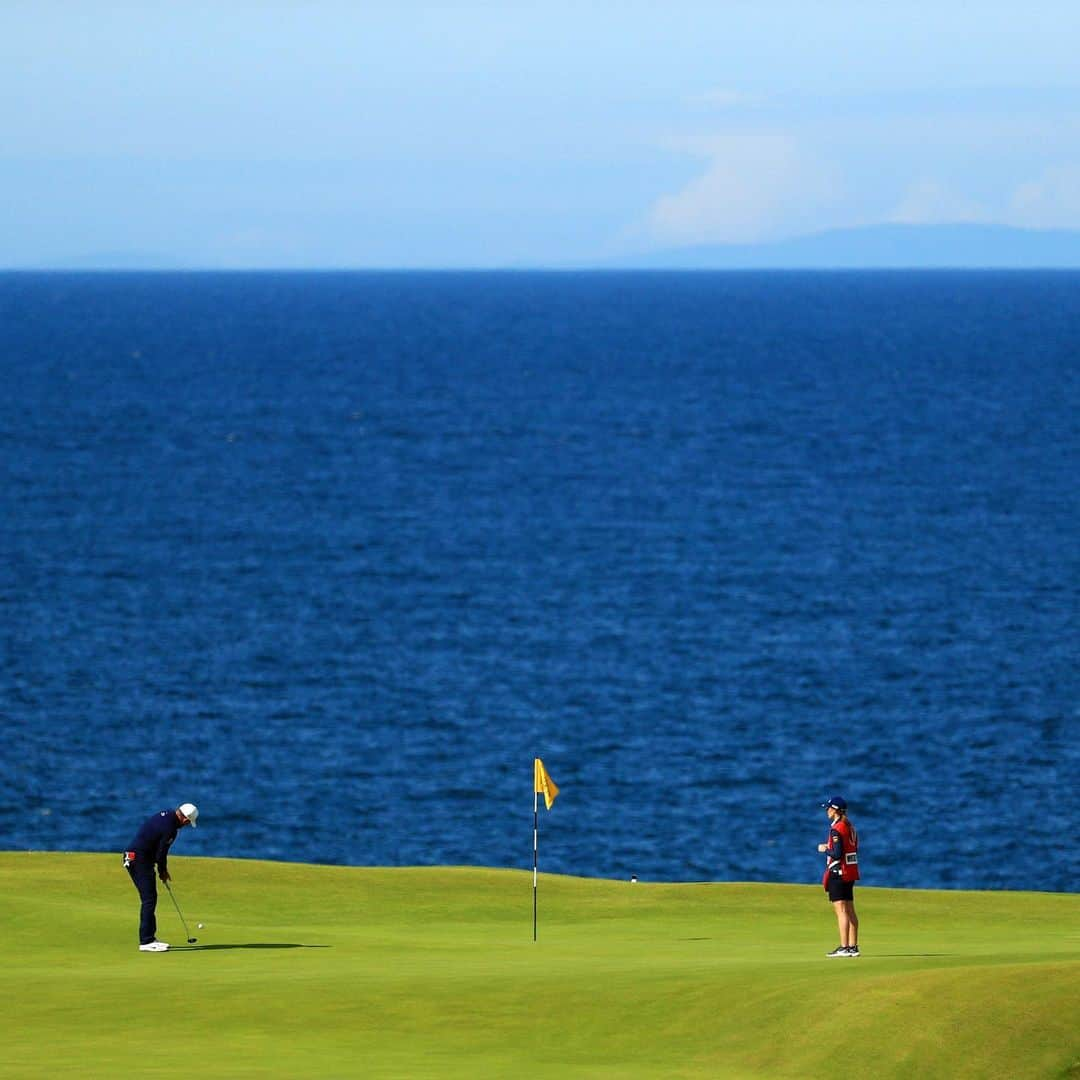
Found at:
(155, 837)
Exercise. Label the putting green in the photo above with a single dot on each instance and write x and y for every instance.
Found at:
(432, 972)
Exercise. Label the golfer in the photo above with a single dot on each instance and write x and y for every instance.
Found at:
(841, 872)
(150, 850)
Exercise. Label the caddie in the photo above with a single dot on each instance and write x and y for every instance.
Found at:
(841, 853)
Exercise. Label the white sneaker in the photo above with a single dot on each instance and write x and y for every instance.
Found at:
(154, 946)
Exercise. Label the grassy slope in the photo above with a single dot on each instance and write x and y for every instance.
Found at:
(432, 972)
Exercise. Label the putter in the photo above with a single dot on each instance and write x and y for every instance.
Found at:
(191, 940)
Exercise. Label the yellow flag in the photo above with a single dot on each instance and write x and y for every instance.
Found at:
(544, 783)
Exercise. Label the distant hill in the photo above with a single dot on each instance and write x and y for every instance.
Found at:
(113, 260)
(881, 247)
(886, 247)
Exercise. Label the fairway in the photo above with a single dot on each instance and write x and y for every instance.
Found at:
(432, 972)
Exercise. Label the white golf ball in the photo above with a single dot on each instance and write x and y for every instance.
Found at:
(200, 926)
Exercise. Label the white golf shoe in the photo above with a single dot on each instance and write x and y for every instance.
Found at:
(154, 946)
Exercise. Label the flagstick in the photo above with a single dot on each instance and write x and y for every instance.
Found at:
(536, 829)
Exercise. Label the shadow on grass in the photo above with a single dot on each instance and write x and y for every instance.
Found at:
(908, 955)
(246, 945)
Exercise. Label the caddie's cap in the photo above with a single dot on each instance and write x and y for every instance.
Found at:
(837, 802)
(190, 811)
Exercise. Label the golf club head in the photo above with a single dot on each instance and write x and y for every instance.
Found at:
(192, 940)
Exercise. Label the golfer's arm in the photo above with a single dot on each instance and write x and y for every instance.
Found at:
(162, 859)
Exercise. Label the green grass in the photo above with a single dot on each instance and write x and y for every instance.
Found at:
(352, 972)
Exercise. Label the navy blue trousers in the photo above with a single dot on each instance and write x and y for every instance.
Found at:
(142, 876)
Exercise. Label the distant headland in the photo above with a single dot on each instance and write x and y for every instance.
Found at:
(869, 247)
(880, 247)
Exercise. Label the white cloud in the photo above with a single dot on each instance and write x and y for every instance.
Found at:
(756, 187)
(1052, 200)
(929, 202)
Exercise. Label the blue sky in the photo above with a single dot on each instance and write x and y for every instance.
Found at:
(315, 133)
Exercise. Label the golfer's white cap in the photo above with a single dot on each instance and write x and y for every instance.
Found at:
(190, 811)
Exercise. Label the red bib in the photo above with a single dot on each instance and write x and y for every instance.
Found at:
(846, 867)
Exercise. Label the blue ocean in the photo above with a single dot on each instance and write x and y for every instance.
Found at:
(335, 556)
